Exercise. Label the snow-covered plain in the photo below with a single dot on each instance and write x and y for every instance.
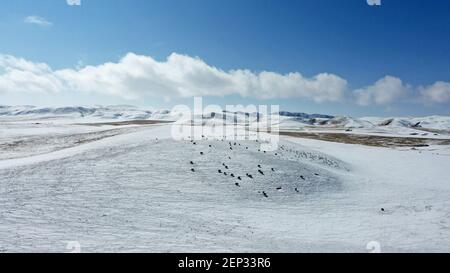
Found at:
(133, 188)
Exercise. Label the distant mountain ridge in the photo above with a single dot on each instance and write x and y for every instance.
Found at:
(304, 115)
(290, 120)
(108, 112)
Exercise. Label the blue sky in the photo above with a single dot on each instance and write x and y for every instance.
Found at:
(358, 43)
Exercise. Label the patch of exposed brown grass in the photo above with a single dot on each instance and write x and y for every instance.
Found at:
(369, 140)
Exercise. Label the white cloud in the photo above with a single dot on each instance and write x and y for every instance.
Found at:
(137, 76)
(36, 20)
(73, 2)
(20, 75)
(385, 91)
(438, 92)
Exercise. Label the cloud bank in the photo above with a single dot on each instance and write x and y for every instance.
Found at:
(137, 76)
(180, 76)
(438, 92)
(385, 91)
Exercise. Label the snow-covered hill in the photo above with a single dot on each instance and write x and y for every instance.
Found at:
(431, 122)
(135, 188)
(436, 126)
(109, 112)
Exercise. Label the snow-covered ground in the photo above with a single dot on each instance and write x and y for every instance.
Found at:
(133, 188)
